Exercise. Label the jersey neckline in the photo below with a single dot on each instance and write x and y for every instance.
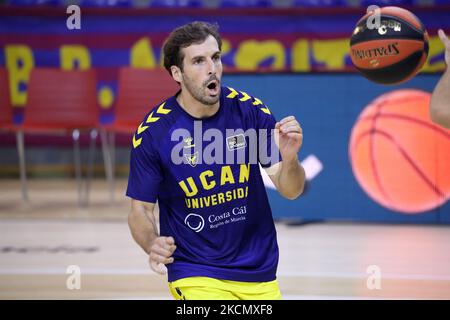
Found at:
(210, 118)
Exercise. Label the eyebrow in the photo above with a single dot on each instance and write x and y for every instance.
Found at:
(198, 57)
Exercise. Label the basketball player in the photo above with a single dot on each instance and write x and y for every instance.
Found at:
(440, 99)
(217, 238)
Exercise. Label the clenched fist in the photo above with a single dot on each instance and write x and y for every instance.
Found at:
(161, 251)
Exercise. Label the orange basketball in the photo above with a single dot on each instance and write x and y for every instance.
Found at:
(398, 156)
(392, 50)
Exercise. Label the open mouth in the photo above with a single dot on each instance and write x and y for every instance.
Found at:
(213, 87)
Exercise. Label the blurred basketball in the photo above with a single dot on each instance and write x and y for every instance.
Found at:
(398, 156)
(392, 51)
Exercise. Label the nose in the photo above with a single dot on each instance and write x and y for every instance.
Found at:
(211, 67)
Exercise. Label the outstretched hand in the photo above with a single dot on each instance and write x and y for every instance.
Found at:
(446, 41)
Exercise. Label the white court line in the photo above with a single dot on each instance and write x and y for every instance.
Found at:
(362, 275)
(89, 271)
(125, 271)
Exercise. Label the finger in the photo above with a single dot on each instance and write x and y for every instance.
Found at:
(286, 119)
(170, 240)
(162, 251)
(443, 37)
(442, 34)
(292, 128)
(170, 248)
(173, 248)
(167, 243)
(157, 267)
(295, 135)
(161, 259)
(161, 243)
(164, 245)
(289, 123)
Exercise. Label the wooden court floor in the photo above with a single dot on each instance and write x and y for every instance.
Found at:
(39, 241)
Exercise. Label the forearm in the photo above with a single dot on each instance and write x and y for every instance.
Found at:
(143, 227)
(291, 179)
(440, 101)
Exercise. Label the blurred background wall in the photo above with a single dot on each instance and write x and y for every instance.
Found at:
(291, 54)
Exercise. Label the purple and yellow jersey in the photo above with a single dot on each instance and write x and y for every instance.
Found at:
(206, 178)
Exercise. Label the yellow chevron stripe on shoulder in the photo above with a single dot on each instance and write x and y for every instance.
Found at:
(151, 119)
(232, 94)
(265, 110)
(136, 142)
(257, 102)
(161, 109)
(245, 96)
(141, 128)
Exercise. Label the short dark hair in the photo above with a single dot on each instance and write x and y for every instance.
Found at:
(182, 37)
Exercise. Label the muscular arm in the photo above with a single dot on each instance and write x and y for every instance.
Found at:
(440, 99)
(142, 223)
(144, 230)
(288, 177)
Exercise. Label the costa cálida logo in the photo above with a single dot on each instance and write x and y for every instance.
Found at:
(389, 50)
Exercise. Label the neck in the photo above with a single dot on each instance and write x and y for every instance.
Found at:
(194, 107)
